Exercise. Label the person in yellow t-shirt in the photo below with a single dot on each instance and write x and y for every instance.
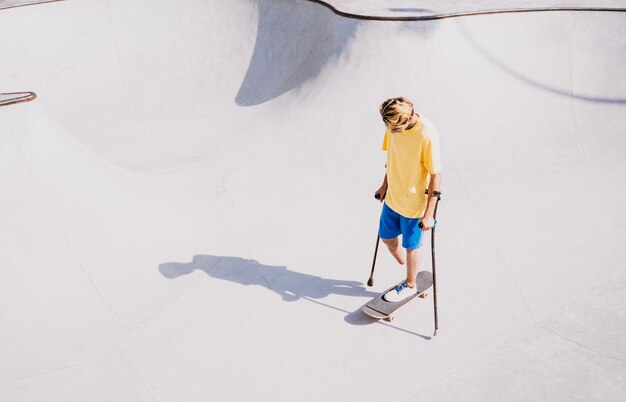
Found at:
(413, 165)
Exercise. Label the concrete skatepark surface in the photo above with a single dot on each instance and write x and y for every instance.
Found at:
(188, 211)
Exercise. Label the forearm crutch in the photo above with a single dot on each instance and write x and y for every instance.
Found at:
(370, 281)
(432, 252)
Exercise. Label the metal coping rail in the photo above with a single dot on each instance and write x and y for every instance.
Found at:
(462, 14)
(16, 97)
(27, 3)
(408, 18)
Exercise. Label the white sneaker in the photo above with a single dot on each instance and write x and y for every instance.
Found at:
(399, 293)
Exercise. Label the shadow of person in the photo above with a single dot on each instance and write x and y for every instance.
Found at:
(290, 285)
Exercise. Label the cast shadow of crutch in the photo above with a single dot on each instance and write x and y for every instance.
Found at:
(289, 285)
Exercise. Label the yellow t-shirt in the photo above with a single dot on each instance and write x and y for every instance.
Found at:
(411, 157)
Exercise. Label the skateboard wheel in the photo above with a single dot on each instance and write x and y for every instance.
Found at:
(423, 295)
(390, 318)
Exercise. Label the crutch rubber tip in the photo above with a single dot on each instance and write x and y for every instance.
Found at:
(370, 282)
(435, 334)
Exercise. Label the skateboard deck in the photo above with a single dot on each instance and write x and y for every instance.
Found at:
(382, 309)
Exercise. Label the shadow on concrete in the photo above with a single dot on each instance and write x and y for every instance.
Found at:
(295, 40)
(289, 285)
(358, 317)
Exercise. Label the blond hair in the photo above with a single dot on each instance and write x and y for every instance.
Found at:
(396, 111)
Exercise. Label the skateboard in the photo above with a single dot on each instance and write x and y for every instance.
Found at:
(383, 310)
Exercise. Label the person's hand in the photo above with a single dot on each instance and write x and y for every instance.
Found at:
(380, 193)
(427, 223)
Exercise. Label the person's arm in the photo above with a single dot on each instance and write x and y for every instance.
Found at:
(428, 220)
(380, 193)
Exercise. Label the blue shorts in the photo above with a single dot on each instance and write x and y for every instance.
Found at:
(392, 225)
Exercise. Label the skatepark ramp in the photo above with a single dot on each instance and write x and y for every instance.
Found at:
(188, 211)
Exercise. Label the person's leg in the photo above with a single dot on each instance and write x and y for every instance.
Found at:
(389, 230)
(413, 259)
(412, 242)
(394, 248)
